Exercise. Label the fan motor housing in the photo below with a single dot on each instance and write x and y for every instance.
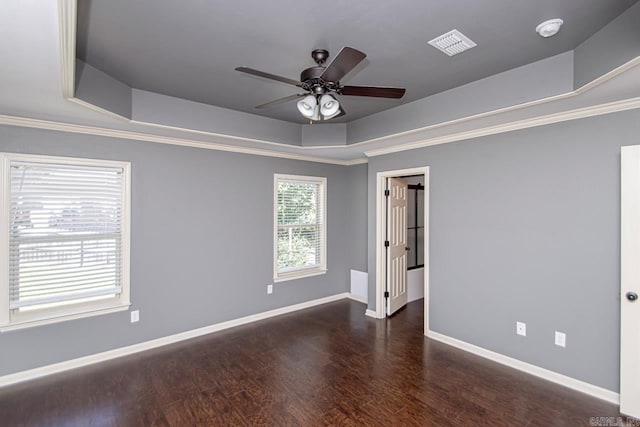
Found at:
(311, 81)
(320, 55)
(311, 74)
(320, 80)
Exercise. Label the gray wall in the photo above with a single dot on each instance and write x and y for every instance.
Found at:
(537, 80)
(525, 226)
(150, 107)
(615, 44)
(102, 90)
(322, 134)
(357, 216)
(201, 242)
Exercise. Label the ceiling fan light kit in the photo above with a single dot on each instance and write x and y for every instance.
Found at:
(336, 114)
(307, 105)
(321, 84)
(329, 105)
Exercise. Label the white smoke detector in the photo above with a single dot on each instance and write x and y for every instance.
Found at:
(549, 28)
(452, 43)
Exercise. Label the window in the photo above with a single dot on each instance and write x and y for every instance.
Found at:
(300, 226)
(65, 238)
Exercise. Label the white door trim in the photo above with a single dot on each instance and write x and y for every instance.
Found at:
(380, 234)
(630, 280)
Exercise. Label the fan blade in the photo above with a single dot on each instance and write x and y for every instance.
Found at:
(378, 92)
(346, 61)
(281, 100)
(268, 76)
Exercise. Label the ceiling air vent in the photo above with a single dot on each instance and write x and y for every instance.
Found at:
(452, 43)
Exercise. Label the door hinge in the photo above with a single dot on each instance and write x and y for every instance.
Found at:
(386, 193)
(386, 243)
(386, 294)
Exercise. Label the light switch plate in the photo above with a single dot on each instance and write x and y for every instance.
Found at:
(521, 329)
(269, 289)
(561, 339)
(135, 316)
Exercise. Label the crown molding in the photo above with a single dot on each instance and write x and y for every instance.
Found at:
(218, 135)
(360, 161)
(580, 113)
(608, 76)
(97, 109)
(67, 33)
(137, 136)
(67, 17)
(563, 96)
(579, 91)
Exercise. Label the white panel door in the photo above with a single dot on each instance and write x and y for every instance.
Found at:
(397, 251)
(630, 283)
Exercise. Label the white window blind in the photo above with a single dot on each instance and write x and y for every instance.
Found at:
(65, 234)
(300, 226)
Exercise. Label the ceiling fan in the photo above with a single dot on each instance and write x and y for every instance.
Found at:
(321, 83)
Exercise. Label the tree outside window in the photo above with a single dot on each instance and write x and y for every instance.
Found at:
(300, 224)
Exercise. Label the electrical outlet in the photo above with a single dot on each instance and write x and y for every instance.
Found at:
(521, 329)
(561, 339)
(269, 289)
(135, 316)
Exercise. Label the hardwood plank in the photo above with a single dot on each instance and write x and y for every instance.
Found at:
(328, 365)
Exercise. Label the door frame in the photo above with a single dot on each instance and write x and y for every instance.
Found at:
(380, 237)
(629, 279)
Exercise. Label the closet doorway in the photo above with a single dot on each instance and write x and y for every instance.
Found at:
(402, 235)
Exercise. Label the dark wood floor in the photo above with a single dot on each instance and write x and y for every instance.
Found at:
(329, 365)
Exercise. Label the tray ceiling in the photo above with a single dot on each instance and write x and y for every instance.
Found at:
(190, 49)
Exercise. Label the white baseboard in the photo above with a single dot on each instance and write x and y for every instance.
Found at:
(371, 313)
(572, 383)
(358, 298)
(415, 284)
(55, 368)
(555, 377)
(359, 284)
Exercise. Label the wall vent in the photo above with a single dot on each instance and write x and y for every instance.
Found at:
(452, 43)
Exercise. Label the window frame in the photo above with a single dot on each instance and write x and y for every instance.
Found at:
(300, 272)
(10, 321)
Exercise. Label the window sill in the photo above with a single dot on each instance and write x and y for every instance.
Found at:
(23, 324)
(300, 274)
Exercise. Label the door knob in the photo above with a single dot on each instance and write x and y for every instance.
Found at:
(406, 248)
(632, 296)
